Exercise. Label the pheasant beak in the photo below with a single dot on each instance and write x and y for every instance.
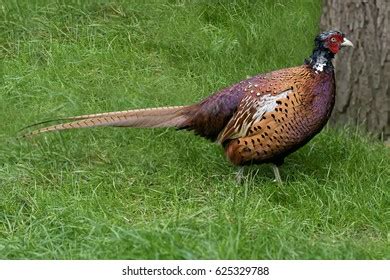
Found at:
(346, 43)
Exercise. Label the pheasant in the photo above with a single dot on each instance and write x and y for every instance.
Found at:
(259, 120)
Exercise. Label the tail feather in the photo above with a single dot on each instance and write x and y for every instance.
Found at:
(147, 111)
(152, 117)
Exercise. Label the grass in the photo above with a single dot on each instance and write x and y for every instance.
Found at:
(161, 194)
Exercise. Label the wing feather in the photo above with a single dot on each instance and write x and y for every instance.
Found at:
(251, 109)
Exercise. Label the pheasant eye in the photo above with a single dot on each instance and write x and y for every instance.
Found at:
(333, 40)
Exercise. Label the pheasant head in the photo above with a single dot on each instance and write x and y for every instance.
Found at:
(327, 44)
(332, 41)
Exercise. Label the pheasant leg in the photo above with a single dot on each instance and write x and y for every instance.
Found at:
(240, 175)
(278, 179)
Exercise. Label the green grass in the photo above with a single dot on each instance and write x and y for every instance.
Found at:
(161, 194)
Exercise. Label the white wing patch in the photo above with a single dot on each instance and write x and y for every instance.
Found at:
(245, 117)
(267, 103)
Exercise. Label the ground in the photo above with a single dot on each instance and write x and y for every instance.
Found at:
(161, 194)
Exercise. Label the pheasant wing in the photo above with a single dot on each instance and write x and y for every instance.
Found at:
(251, 110)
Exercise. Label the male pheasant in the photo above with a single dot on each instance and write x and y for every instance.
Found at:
(259, 120)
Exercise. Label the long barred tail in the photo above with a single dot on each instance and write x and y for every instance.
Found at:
(151, 117)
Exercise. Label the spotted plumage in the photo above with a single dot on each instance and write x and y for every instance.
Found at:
(258, 120)
(288, 117)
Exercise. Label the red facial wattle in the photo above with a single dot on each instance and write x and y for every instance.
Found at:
(334, 43)
(334, 47)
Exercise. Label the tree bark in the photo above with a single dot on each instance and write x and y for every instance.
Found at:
(362, 73)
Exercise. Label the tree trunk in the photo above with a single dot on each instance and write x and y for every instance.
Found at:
(362, 73)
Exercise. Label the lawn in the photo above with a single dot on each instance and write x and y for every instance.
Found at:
(109, 193)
